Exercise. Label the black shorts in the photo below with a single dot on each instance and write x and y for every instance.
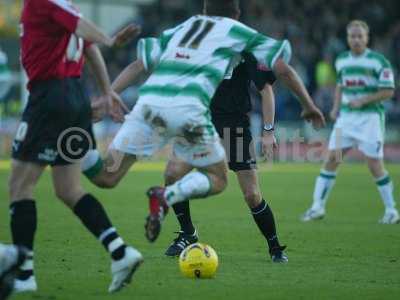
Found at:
(56, 125)
(237, 141)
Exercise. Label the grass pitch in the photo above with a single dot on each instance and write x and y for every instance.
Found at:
(347, 255)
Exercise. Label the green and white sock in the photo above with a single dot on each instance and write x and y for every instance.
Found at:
(323, 186)
(193, 185)
(91, 163)
(385, 188)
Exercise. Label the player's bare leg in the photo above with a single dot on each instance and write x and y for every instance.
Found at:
(385, 188)
(125, 260)
(23, 179)
(262, 213)
(109, 172)
(324, 185)
(202, 183)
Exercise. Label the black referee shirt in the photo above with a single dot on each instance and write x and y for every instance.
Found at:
(232, 96)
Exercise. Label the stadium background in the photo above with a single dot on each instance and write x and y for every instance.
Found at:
(315, 28)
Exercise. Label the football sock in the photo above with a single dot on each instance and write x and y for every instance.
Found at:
(193, 185)
(385, 187)
(265, 221)
(93, 216)
(323, 186)
(91, 164)
(23, 227)
(182, 212)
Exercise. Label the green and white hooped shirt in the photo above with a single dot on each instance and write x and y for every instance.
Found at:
(189, 61)
(361, 76)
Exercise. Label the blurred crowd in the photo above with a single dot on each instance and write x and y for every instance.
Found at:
(315, 28)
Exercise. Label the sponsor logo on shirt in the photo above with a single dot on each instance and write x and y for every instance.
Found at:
(387, 74)
(182, 56)
(355, 82)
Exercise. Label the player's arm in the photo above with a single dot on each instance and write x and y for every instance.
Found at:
(149, 51)
(386, 87)
(276, 55)
(336, 103)
(89, 32)
(129, 76)
(64, 14)
(268, 110)
(381, 95)
(292, 80)
(109, 101)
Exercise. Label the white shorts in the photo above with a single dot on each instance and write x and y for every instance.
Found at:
(150, 126)
(361, 130)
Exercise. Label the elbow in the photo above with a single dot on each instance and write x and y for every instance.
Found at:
(282, 70)
(136, 67)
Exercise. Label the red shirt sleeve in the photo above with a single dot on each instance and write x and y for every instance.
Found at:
(64, 13)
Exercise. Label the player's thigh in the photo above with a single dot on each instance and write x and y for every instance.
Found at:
(175, 170)
(67, 183)
(23, 179)
(137, 137)
(248, 182)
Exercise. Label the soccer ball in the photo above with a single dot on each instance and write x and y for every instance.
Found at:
(198, 261)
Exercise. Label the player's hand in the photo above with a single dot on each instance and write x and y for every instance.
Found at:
(116, 107)
(314, 115)
(99, 110)
(333, 114)
(269, 144)
(356, 104)
(125, 35)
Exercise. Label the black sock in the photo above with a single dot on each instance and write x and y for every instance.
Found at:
(93, 216)
(182, 212)
(23, 227)
(264, 218)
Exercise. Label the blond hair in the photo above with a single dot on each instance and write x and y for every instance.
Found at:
(358, 23)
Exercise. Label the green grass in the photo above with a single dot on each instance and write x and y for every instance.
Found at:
(347, 255)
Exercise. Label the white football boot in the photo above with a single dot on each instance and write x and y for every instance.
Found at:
(11, 257)
(313, 214)
(25, 286)
(29, 284)
(391, 216)
(122, 270)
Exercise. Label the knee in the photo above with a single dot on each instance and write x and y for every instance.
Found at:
(13, 188)
(333, 160)
(106, 182)
(18, 189)
(69, 195)
(222, 182)
(333, 157)
(170, 177)
(252, 197)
